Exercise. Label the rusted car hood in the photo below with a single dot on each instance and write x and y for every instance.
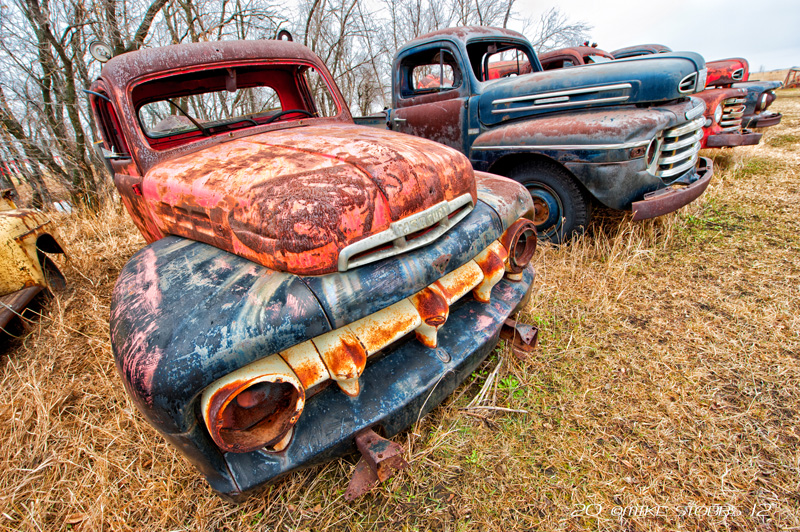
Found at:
(645, 79)
(292, 199)
(727, 71)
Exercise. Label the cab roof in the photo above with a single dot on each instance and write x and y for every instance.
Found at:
(122, 69)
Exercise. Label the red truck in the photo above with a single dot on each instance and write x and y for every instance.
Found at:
(306, 280)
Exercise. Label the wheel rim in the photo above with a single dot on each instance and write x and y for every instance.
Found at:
(548, 210)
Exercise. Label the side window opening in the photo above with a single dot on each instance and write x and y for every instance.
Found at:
(430, 71)
(110, 130)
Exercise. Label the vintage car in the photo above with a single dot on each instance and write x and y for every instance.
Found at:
(730, 73)
(289, 250)
(625, 134)
(26, 237)
(725, 105)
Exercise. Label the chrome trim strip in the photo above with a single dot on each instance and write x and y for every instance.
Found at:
(623, 146)
(566, 104)
(436, 215)
(695, 111)
(682, 156)
(686, 128)
(555, 94)
(682, 143)
(678, 169)
(690, 79)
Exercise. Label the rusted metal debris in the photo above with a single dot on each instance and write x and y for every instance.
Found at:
(380, 460)
(524, 337)
(792, 78)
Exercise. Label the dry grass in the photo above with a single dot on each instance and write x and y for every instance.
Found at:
(770, 75)
(667, 387)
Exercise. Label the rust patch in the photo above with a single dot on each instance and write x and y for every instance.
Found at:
(342, 353)
(380, 460)
(432, 307)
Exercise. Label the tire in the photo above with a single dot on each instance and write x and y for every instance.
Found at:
(562, 208)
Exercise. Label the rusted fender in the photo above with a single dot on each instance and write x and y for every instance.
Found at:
(293, 199)
(20, 231)
(668, 200)
(725, 72)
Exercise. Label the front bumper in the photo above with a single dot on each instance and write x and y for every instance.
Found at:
(729, 140)
(397, 389)
(667, 200)
(762, 120)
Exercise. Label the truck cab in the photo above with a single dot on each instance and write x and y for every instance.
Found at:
(624, 133)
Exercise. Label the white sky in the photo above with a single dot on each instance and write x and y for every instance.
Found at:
(765, 32)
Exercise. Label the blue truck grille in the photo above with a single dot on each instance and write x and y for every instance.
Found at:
(678, 149)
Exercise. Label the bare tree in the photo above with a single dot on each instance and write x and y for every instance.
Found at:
(554, 30)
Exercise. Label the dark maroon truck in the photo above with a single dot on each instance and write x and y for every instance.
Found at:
(730, 73)
(725, 106)
(624, 133)
(306, 280)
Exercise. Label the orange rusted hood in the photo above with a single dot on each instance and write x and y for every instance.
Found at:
(292, 199)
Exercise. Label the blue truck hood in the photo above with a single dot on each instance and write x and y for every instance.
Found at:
(650, 79)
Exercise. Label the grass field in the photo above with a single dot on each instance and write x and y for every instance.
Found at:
(665, 394)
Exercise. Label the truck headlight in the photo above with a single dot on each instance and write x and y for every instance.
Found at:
(254, 407)
(520, 241)
(652, 152)
(762, 103)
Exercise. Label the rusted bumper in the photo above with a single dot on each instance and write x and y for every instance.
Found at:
(728, 140)
(396, 390)
(762, 120)
(667, 200)
(13, 304)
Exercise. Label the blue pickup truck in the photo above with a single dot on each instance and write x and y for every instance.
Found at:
(625, 133)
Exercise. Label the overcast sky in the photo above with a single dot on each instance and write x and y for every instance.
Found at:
(765, 32)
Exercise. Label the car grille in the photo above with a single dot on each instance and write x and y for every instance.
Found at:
(678, 149)
(732, 112)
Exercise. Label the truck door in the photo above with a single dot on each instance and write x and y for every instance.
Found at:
(432, 96)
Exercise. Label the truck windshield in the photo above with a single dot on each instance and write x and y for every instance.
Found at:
(207, 102)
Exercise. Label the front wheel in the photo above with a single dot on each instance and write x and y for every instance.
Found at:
(561, 210)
